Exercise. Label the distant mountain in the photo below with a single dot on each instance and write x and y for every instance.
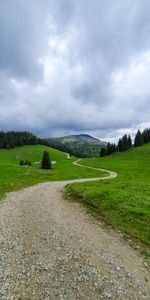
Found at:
(88, 138)
(82, 145)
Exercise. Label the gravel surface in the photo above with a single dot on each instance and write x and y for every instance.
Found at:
(51, 249)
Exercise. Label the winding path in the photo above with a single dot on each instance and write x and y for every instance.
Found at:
(111, 174)
(51, 249)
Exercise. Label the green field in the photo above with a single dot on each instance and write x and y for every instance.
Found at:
(123, 202)
(13, 176)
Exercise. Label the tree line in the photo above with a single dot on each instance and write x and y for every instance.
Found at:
(13, 139)
(125, 142)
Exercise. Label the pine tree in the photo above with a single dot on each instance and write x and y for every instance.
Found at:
(146, 135)
(108, 149)
(125, 143)
(139, 140)
(120, 145)
(129, 141)
(103, 152)
(111, 148)
(46, 162)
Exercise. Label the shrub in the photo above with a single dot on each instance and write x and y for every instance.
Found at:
(46, 162)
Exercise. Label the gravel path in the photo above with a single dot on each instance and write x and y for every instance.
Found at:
(51, 249)
(110, 175)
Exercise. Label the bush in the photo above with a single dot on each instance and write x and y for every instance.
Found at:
(25, 163)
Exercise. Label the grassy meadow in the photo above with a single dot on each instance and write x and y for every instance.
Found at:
(123, 202)
(13, 176)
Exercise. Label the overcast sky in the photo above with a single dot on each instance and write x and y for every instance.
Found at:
(75, 66)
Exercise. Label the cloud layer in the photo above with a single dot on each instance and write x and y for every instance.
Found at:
(75, 66)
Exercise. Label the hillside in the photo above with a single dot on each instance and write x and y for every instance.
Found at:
(123, 202)
(13, 176)
(82, 145)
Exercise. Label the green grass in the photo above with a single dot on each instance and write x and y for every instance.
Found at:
(13, 176)
(124, 202)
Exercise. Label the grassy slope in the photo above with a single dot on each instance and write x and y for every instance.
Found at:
(13, 176)
(124, 201)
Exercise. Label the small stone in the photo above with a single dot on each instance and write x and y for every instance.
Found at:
(136, 247)
(146, 265)
(107, 295)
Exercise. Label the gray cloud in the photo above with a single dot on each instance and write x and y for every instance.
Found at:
(22, 36)
(74, 66)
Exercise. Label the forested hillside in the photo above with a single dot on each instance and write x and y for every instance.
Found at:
(82, 145)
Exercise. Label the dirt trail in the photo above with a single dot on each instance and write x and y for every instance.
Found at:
(51, 249)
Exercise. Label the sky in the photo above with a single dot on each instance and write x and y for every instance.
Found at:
(75, 66)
